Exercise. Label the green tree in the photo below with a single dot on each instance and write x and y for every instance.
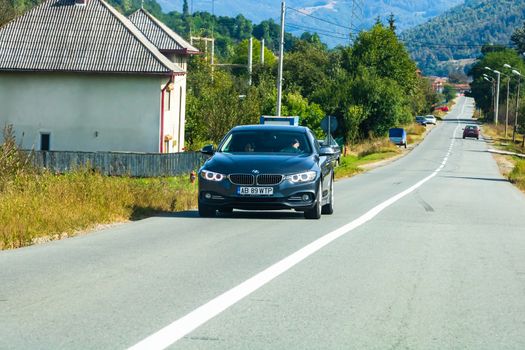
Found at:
(185, 8)
(380, 52)
(310, 114)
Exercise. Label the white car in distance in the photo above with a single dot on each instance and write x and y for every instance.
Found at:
(431, 119)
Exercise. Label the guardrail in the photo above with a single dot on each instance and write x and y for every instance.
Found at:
(120, 163)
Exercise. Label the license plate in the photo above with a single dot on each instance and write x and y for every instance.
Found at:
(255, 191)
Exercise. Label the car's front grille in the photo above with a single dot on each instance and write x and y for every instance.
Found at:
(242, 179)
(269, 179)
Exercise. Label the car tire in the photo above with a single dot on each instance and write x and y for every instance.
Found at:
(315, 212)
(206, 211)
(328, 208)
(405, 145)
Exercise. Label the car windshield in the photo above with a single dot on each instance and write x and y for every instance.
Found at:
(265, 141)
(471, 127)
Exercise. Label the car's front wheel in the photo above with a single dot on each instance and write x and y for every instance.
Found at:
(315, 212)
(328, 208)
(206, 211)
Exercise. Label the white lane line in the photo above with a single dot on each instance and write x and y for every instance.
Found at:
(183, 326)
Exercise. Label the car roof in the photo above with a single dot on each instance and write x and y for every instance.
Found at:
(258, 127)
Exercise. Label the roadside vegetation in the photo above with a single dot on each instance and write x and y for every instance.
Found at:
(516, 173)
(38, 205)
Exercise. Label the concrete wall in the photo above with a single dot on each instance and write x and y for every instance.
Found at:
(84, 112)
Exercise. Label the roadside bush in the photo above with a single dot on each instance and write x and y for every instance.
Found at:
(12, 161)
(517, 175)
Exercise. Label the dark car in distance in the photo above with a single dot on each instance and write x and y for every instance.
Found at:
(267, 167)
(471, 131)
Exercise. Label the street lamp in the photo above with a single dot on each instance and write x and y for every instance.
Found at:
(496, 108)
(515, 72)
(492, 83)
(508, 98)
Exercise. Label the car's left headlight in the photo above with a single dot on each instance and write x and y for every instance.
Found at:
(307, 176)
(212, 176)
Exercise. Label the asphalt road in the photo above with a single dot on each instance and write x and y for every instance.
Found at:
(427, 252)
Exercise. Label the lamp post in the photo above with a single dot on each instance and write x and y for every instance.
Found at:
(508, 97)
(496, 108)
(515, 72)
(492, 82)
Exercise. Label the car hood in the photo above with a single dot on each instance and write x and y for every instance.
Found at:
(229, 163)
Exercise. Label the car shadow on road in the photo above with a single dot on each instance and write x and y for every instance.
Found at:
(238, 214)
(476, 178)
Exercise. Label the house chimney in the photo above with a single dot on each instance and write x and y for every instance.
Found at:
(80, 2)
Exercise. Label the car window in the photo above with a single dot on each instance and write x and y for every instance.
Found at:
(265, 141)
(395, 132)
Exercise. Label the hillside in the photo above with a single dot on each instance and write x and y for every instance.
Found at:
(459, 33)
(408, 13)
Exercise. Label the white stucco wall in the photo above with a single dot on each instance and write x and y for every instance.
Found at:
(175, 111)
(84, 112)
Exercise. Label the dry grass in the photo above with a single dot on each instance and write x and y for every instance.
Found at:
(497, 134)
(36, 204)
(376, 145)
(415, 132)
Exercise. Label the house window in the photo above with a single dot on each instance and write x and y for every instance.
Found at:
(45, 141)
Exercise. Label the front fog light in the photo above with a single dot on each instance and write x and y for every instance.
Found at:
(305, 197)
(207, 195)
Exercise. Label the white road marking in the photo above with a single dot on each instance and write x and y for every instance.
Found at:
(183, 326)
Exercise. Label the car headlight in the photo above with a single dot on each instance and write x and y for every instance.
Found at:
(212, 176)
(302, 177)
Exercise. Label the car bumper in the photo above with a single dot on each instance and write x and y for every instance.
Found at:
(286, 195)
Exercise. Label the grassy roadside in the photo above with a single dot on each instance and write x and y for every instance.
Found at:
(375, 150)
(45, 206)
(517, 173)
(38, 205)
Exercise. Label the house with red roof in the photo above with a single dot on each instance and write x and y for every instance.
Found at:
(76, 75)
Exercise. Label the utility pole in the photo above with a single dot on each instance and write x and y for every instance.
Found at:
(496, 111)
(262, 51)
(281, 56)
(250, 60)
(517, 106)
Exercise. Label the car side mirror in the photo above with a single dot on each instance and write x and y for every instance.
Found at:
(208, 149)
(327, 151)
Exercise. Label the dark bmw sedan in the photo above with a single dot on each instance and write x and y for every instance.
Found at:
(267, 167)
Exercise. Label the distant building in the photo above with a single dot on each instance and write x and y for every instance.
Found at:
(438, 83)
(77, 75)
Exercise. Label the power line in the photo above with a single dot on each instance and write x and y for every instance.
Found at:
(321, 34)
(322, 19)
(318, 31)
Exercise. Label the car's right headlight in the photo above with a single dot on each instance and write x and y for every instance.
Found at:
(212, 176)
(307, 176)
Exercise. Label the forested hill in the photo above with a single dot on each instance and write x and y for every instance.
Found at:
(459, 33)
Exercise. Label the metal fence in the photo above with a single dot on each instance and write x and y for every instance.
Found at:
(120, 163)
